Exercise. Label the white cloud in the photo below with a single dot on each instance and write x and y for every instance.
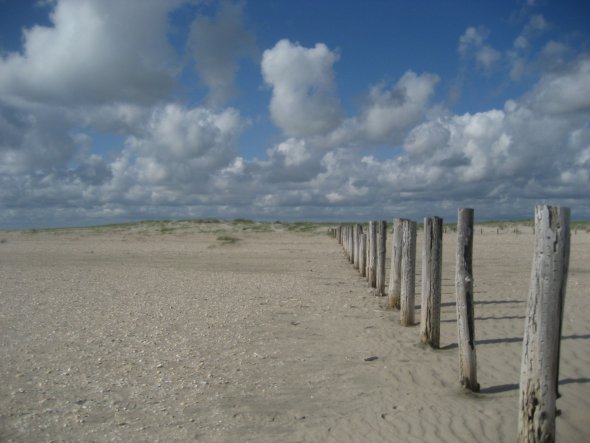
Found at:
(94, 52)
(389, 113)
(303, 99)
(565, 92)
(294, 152)
(217, 46)
(472, 45)
(181, 146)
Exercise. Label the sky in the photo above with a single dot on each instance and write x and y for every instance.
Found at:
(322, 110)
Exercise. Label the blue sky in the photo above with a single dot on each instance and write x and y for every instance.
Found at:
(321, 110)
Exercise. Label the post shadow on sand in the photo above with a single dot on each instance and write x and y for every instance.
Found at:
(498, 302)
(514, 386)
(489, 341)
(493, 341)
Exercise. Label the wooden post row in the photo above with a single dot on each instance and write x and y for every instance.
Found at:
(539, 374)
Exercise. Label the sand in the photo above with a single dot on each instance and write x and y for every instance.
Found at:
(187, 335)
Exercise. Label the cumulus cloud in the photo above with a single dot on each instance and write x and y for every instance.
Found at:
(388, 113)
(564, 92)
(183, 159)
(217, 45)
(303, 99)
(179, 147)
(94, 52)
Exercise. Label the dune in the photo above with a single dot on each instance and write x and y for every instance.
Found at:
(259, 333)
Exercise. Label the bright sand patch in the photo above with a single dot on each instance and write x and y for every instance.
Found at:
(122, 335)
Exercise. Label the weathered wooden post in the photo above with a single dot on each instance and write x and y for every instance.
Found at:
(354, 260)
(464, 291)
(368, 251)
(345, 240)
(408, 272)
(372, 254)
(363, 255)
(351, 244)
(358, 230)
(431, 281)
(539, 372)
(395, 273)
(381, 253)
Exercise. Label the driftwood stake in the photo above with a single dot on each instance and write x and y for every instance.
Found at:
(357, 247)
(539, 373)
(464, 291)
(395, 274)
(408, 272)
(372, 254)
(351, 244)
(431, 282)
(355, 240)
(381, 253)
(363, 255)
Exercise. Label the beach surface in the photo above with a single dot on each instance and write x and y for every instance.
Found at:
(245, 332)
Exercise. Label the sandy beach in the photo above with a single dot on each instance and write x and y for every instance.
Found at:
(245, 333)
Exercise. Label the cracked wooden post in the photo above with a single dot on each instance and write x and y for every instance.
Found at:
(381, 253)
(408, 273)
(363, 255)
(464, 291)
(372, 254)
(395, 273)
(539, 372)
(431, 282)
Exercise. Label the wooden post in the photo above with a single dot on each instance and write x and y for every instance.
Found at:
(408, 272)
(368, 249)
(345, 240)
(464, 291)
(372, 254)
(381, 253)
(395, 274)
(431, 282)
(539, 373)
(363, 255)
(351, 245)
(354, 260)
(358, 230)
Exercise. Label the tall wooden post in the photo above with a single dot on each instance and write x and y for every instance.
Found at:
(363, 255)
(539, 373)
(381, 254)
(464, 291)
(431, 282)
(372, 254)
(395, 273)
(408, 273)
